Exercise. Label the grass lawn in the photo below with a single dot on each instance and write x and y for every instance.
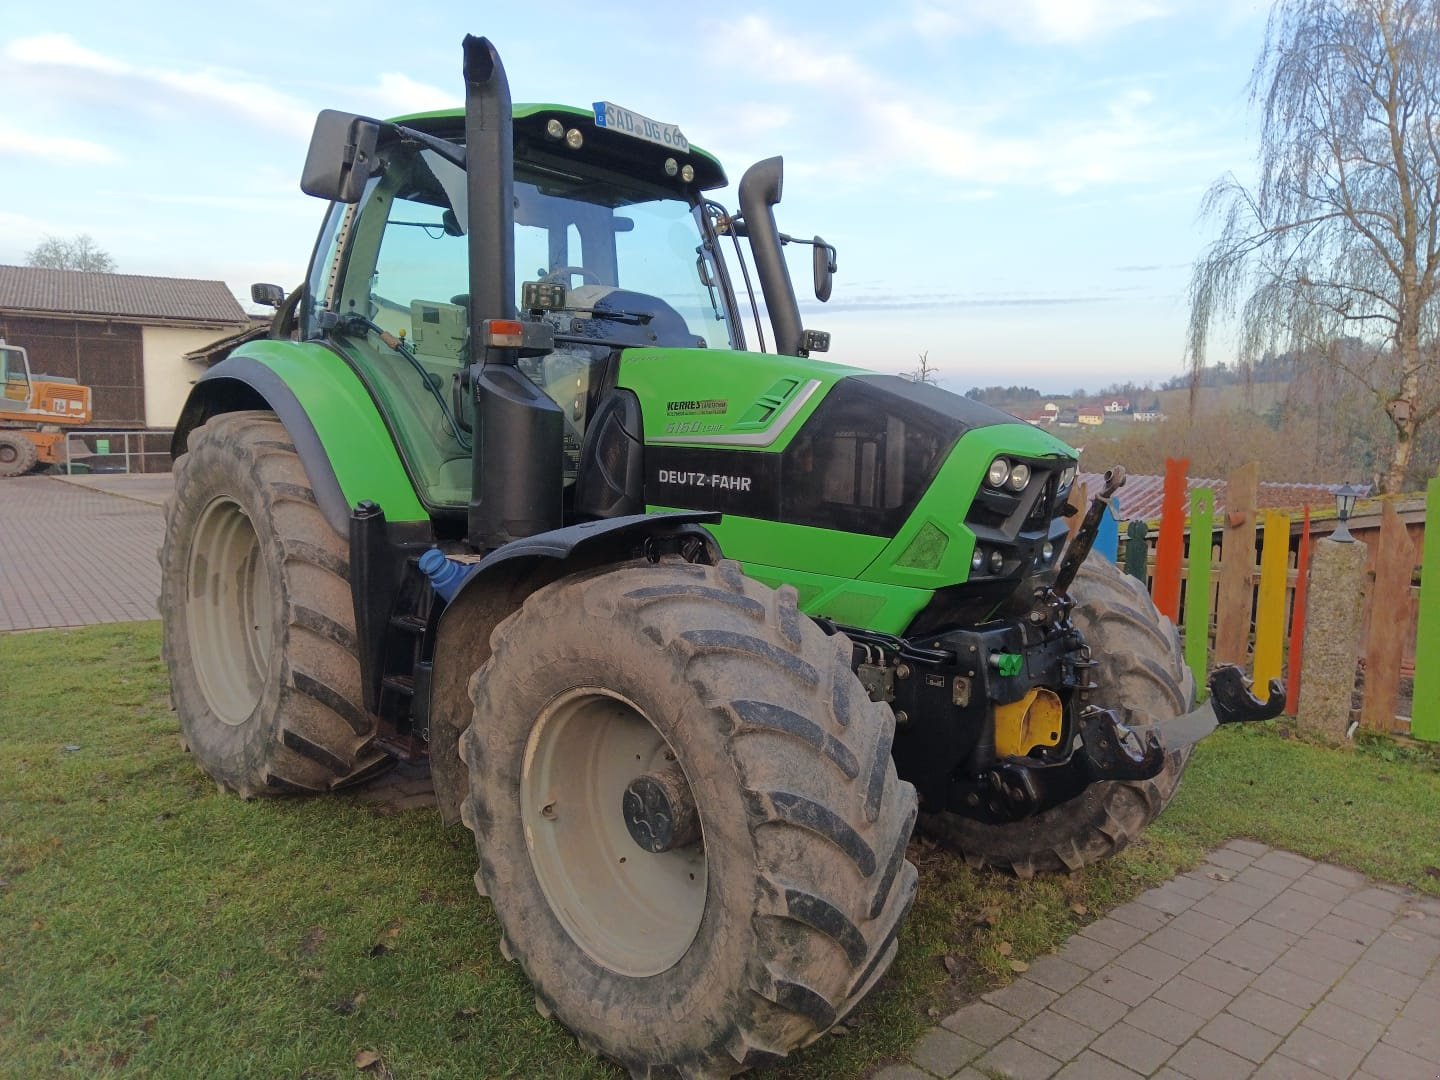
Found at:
(151, 926)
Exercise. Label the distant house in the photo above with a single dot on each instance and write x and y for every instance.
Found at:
(1051, 408)
(1117, 405)
(123, 335)
(1093, 415)
(1148, 417)
(1068, 417)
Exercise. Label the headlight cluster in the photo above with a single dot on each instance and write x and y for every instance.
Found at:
(1005, 474)
(991, 559)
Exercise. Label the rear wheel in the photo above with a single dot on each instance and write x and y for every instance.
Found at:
(686, 815)
(259, 624)
(17, 454)
(1142, 675)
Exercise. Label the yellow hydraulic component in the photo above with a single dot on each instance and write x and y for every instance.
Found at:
(1035, 720)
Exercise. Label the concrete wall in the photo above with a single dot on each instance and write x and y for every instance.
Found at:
(168, 377)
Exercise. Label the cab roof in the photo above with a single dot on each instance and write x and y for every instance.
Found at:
(615, 149)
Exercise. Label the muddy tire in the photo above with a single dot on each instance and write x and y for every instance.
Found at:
(749, 942)
(17, 454)
(1142, 674)
(259, 622)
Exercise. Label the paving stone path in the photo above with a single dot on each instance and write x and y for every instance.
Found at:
(73, 556)
(1258, 963)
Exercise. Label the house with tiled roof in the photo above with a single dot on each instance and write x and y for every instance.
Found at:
(123, 335)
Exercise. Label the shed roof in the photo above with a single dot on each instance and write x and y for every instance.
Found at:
(41, 291)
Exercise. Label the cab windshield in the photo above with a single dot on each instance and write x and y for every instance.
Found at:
(636, 265)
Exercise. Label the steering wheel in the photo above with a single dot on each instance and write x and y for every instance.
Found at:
(561, 275)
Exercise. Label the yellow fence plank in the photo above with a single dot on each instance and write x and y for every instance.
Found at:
(1270, 606)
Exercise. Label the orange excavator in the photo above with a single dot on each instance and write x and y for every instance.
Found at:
(34, 411)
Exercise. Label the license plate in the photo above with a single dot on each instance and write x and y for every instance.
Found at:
(615, 118)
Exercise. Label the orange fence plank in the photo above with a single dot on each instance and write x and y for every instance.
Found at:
(1389, 621)
(1170, 545)
(1270, 603)
(1297, 619)
(1237, 567)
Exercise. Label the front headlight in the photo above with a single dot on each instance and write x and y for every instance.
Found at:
(999, 473)
(1019, 476)
(1066, 479)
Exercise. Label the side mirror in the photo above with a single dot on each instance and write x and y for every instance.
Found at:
(267, 295)
(341, 157)
(824, 260)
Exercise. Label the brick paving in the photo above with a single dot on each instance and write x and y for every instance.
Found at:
(1259, 963)
(71, 555)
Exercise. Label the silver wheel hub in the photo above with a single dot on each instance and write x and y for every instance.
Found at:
(228, 611)
(631, 909)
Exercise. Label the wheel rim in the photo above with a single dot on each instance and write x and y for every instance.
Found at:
(631, 911)
(228, 611)
(9, 453)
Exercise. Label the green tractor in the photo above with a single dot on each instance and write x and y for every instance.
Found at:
(689, 635)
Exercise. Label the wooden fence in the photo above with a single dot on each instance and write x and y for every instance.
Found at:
(1237, 585)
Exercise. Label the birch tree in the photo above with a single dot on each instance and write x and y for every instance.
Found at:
(1339, 241)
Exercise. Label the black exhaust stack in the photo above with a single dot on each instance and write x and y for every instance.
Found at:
(759, 192)
(516, 473)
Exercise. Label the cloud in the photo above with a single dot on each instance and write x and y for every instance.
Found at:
(56, 149)
(976, 144)
(397, 95)
(1035, 21)
(948, 301)
(87, 74)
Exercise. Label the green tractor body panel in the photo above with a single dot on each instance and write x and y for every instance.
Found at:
(352, 431)
(720, 404)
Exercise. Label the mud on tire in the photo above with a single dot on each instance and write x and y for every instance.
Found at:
(259, 624)
(1142, 674)
(799, 882)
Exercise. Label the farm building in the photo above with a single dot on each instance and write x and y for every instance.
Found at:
(123, 335)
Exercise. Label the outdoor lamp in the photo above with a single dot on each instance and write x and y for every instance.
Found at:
(1345, 497)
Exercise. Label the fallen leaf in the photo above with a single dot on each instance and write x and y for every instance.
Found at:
(311, 942)
(468, 1013)
(839, 1029)
(1218, 875)
(1018, 966)
(1004, 948)
(1080, 909)
(366, 1059)
(951, 962)
(70, 748)
(932, 1013)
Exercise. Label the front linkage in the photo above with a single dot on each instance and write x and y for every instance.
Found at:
(987, 718)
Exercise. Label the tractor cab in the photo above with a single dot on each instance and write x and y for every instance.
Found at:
(610, 251)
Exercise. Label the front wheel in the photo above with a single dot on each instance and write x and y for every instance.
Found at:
(1141, 674)
(686, 815)
(17, 454)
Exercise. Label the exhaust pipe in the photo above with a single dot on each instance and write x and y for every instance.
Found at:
(516, 472)
(759, 192)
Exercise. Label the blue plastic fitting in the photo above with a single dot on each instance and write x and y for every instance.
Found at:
(446, 576)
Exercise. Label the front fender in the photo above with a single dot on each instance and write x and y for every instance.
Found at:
(495, 591)
(338, 432)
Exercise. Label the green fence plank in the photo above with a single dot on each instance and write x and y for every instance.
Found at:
(1137, 551)
(1197, 587)
(1425, 718)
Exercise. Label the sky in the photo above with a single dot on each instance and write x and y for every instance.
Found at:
(1012, 185)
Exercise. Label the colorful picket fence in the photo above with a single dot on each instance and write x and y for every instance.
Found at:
(1237, 585)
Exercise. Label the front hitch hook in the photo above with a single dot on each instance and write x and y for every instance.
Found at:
(1233, 702)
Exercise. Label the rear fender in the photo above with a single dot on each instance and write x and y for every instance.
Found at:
(338, 432)
(499, 587)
